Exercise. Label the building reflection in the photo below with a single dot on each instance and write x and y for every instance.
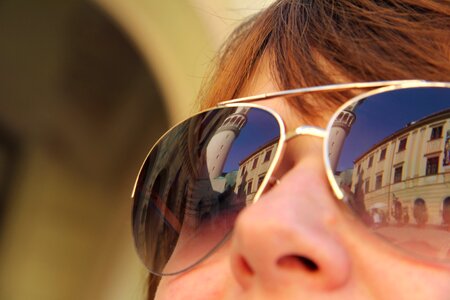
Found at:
(201, 169)
(175, 168)
(253, 169)
(400, 186)
(404, 177)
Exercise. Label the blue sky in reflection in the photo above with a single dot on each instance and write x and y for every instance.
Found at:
(384, 114)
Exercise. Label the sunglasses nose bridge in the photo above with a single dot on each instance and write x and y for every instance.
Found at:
(306, 130)
(321, 133)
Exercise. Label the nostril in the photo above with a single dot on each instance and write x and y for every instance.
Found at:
(309, 264)
(245, 266)
(296, 261)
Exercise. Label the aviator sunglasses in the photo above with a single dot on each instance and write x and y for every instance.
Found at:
(386, 154)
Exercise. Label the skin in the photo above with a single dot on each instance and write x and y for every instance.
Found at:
(300, 217)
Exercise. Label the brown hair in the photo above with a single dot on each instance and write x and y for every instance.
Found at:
(309, 43)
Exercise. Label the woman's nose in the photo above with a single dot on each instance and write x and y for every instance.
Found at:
(290, 237)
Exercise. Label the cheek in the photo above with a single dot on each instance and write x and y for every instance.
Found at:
(385, 273)
(408, 281)
(210, 280)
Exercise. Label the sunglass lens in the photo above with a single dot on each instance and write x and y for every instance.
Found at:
(390, 153)
(196, 180)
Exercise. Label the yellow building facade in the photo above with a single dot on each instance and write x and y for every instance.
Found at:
(253, 169)
(406, 176)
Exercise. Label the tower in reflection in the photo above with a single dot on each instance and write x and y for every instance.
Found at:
(220, 144)
(339, 131)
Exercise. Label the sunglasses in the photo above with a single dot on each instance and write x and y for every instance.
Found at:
(387, 159)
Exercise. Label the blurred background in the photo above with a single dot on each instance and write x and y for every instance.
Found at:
(86, 87)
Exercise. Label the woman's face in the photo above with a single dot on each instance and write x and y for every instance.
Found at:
(296, 243)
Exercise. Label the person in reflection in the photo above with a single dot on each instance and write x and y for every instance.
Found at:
(357, 203)
(296, 242)
(405, 216)
(420, 212)
(376, 216)
(397, 211)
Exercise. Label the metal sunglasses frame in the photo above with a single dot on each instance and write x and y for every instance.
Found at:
(377, 88)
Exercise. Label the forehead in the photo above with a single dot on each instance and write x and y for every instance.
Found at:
(262, 81)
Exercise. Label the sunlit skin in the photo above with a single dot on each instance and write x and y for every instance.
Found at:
(297, 242)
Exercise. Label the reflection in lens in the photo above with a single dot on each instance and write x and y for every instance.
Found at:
(391, 156)
(196, 180)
